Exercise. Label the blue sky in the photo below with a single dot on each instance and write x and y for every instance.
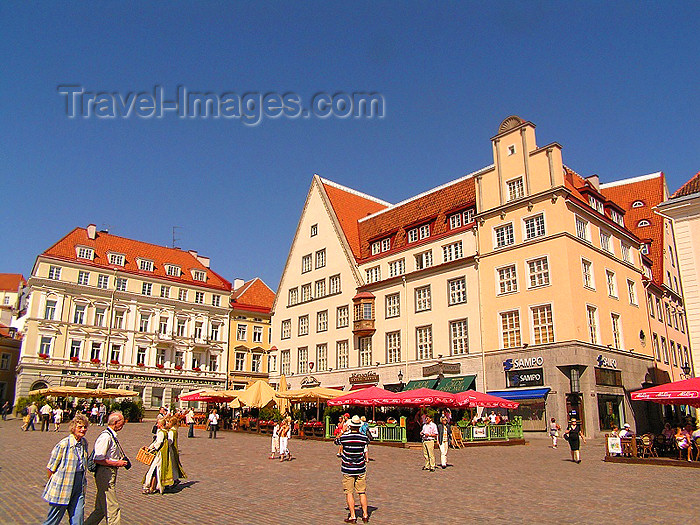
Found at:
(615, 83)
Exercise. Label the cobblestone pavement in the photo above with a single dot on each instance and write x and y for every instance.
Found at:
(232, 481)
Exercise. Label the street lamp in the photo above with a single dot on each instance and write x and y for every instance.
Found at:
(401, 379)
(686, 368)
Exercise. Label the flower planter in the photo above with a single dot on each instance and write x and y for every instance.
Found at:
(114, 362)
(178, 367)
(159, 365)
(197, 369)
(142, 365)
(74, 359)
(95, 361)
(44, 356)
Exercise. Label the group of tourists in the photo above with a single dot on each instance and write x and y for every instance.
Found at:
(49, 413)
(165, 469)
(281, 432)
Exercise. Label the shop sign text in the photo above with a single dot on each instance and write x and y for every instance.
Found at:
(525, 377)
(606, 362)
(520, 363)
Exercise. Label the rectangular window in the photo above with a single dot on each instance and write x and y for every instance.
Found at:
(322, 321)
(179, 359)
(605, 242)
(397, 268)
(592, 324)
(507, 280)
(182, 294)
(286, 362)
(55, 273)
(103, 281)
(587, 268)
(611, 282)
(95, 351)
(145, 265)
(452, 251)
(303, 360)
(321, 258)
(468, 216)
(510, 329)
(386, 244)
(164, 291)
(424, 342)
(376, 247)
(314, 230)
(256, 362)
(199, 275)
(659, 311)
(504, 236)
(181, 327)
(86, 253)
(79, 314)
(163, 326)
(257, 334)
(75, 346)
(216, 300)
(423, 302)
(306, 292)
(141, 355)
(539, 272)
(542, 324)
(365, 351)
(50, 310)
(241, 332)
(342, 317)
(582, 228)
(320, 288)
(459, 341)
(120, 285)
(424, 260)
(393, 305)
(100, 316)
(664, 349)
(373, 274)
(424, 231)
(293, 296)
(160, 357)
(534, 226)
(172, 270)
(119, 319)
(286, 327)
(239, 363)
(198, 329)
(306, 262)
(334, 284)
(616, 333)
(146, 288)
(83, 278)
(632, 292)
(214, 331)
(457, 291)
(322, 357)
(516, 189)
(116, 258)
(393, 347)
(455, 221)
(199, 297)
(304, 325)
(596, 204)
(626, 253)
(617, 217)
(114, 353)
(271, 363)
(673, 353)
(143, 322)
(655, 344)
(412, 235)
(343, 354)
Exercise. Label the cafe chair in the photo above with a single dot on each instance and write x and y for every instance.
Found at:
(456, 438)
(646, 446)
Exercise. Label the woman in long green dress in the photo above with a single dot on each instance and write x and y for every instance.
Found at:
(166, 469)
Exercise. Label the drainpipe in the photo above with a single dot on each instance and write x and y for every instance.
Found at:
(481, 307)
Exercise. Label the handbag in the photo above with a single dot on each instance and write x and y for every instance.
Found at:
(91, 465)
(144, 456)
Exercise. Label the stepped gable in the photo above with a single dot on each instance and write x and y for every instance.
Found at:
(690, 187)
(649, 189)
(434, 205)
(9, 282)
(253, 295)
(104, 243)
(349, 207)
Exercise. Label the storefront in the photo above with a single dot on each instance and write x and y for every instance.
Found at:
(532, 406)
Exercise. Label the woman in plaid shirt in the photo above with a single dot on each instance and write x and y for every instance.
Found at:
(65, 489)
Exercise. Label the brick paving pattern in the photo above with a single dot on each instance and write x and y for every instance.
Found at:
(232, 481)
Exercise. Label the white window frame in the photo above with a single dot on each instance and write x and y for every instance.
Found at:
(84, 252)
(321, 258)
(583, 229)
(587, 275)
(116, 259)
(146, 288)
(306, 263)
(611, 283)
(515, 188)
(424, 260)
(393, 346)
(342, 351)
(423, 298)
(286, 329)
(321, 357)
(397, 267)
(322, 321)
(342, 316)
(534, 226)
(334, 284)
(540, 274)
(452, 251)
(542, 329)
(507, 279)
(83, 278)
(54, 273)
(103, 281)
(374, 274)
(503, 236)
(145, 265)
(424, 342)
(392, 305)
(512, 337)
(303, 328)
(457, 291)
(459, 337)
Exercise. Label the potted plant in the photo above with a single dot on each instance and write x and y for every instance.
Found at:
(44, 356)
(197, 369)
(178, 367)
(74, 358)
(159, 365)
(114, 362)
(95, 360)
(141, 364)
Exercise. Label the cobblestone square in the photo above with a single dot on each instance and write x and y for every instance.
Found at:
(231, 480)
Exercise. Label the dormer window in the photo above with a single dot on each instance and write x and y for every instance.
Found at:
(172, 270)
(637, 204)
(381, 246)
(116, 258)
(145, 265)
(616, 216)
(643, 223)
(85, 253)
(596, 204)
(199, 275)
(424, 231)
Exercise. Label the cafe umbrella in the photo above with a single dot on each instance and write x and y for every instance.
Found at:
(372, 396)
(316, 394)
(473, 399)
(685, 392)
(282, 403)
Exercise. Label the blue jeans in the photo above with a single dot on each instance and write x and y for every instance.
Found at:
(75, 506)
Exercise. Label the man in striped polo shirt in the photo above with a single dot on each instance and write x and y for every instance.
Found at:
(354, 467)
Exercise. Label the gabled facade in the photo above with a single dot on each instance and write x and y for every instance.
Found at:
(520, 279)
(105, 310)
(684, 208)
(11, 285)
(249, 357)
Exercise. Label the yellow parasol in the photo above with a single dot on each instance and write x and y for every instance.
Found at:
(258, 395)
(64, 391)
(105, 393)
(316, 395)
(282, 403)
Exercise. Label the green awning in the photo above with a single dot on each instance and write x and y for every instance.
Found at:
(420, 383)
(457, 383)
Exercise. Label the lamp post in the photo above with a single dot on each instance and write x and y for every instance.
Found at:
(400, 379)
(686, 369)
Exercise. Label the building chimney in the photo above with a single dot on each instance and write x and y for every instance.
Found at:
(91, 231)
(237, 283)
(193, 253)
(595, 181)
(204, 260)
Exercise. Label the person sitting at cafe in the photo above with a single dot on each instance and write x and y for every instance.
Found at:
(668, 433)
(626, 431)
(682, 438)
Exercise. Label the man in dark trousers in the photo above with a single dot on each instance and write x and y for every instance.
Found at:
(354, 467)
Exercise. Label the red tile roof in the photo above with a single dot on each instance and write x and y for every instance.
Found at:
(690, 187)
(255, 295)
(349, 207)
(104, 243)
(9, 282)
(650, 190)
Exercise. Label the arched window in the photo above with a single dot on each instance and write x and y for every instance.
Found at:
(38, 385)
(637, 204)
(643, 223)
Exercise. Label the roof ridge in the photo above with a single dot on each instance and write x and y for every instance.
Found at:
(354, 192)
(631, 180)
(427, 192)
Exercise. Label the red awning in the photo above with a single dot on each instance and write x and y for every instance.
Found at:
(686, 392)
(426, 397)
(360, 387)
(472, 399)
(370, 396)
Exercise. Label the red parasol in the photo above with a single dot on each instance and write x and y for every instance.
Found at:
(426, 397)
(472, 399)
(370, 396)
(686, 392)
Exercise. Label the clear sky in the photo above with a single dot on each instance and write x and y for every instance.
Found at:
(616, 83)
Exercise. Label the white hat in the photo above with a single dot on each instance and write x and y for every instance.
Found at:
(355, 421)
(626, 425)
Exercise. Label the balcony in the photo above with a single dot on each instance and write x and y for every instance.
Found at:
(363, 307)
